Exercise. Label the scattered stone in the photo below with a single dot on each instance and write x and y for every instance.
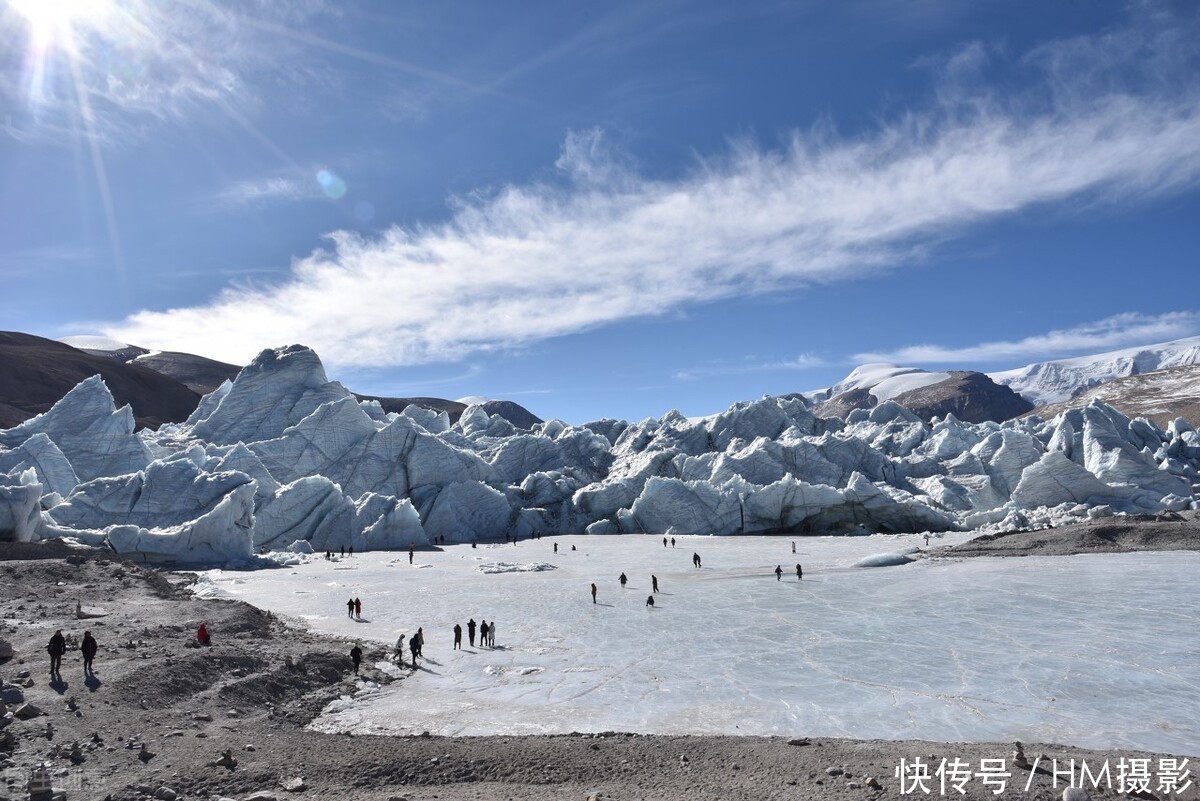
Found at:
(834, 771)
(11, 694)
(262, 795)
(296, 785)
(26, 711)
(853, 786)
(1076, 794)
(249, 747)
(165, 794)
(22, 674)
(226, 760)
(145, 754)
(800, 741)
(873, 783)
(6, 649)
(1019, 756)
(202, 716)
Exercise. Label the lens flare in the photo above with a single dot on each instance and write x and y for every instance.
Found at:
(331, 184)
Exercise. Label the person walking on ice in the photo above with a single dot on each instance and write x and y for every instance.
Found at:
(357, 608)
(593, 593)
(471, 631)
(492, 635)
(457, 637)
(649, 600)
(653, 583)
(799, 572)
(778, 572)
(356, 657)
(483, 633)
(793, 546)
(624, 580)
(696, 559)
(350, 608)
(400, 650)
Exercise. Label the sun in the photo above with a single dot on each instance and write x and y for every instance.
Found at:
(50, 20)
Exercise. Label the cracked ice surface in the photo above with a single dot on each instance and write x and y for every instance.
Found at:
(1094, 650)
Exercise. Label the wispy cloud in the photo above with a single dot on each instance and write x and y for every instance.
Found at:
(1112, 119)
(275, 188)
(1111, 333)
(751, 365)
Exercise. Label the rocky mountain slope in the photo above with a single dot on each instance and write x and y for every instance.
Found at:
(1159, 396)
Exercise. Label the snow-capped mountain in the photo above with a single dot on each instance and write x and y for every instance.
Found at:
(969, 396)
(1045, 383)
(1160, 396)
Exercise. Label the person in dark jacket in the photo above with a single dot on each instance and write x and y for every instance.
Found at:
(593, 593)
(88, 648)
(649, 600)
(457, 637)
(624, 580)
(653, 583)
(799, 572)
(350, 608)
(483, 633)
(356, 657)
(414, 648)
(778, 572)
(357, 608)
(471, 631)
(56, 649)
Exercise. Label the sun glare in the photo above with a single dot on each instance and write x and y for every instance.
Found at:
(51, 19)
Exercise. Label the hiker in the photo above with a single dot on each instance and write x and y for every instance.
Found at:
(343, 551)
(799, 572)
(357, 607)
(471, 631)
(351, 550)
(664, 542)
(926, 540)
(572, 547)
(593, 593)
(457, 637)
(350, 608)
(414, 648)
(649, 600)
(202, 635)
(492, 635)
(556, 547)
(778, 572)
(623, 580)
(356, 657)
(672, 542)
(410, 553)
(696, 559)
(400, 650)
(88, 648)
(483, 633)
(793, 546)
(56, 649)
(654, 583)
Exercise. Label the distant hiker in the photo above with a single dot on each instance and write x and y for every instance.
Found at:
(593, 593)
(471, 631)
(202, 636)
(926, 539)
(793, 546)
(56, 649)
(778, 572)
(696, 559)
(556, 547)
(356, 657)
(654, 583)
(649, 600)
(400, 650)
(414, 648)
(672, 542)
(350, 608)
(664, 542)
(624, 580)
(492, 635)
(88, 648)
(483, 633)
(357, 606)
(343, 550)
(799, 572)
(420, 638)
(458, 636)
(410, 553)
(572, 547)
(352, 550)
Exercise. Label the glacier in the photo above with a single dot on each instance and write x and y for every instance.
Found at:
(282, 455)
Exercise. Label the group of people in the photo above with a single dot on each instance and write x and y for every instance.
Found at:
(354, 608)
(779, 572)
(58, 647)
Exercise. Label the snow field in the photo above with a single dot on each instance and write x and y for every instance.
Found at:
(1095, 651)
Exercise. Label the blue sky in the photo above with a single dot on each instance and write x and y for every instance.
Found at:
(603, 209)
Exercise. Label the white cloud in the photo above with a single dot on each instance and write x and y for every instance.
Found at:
(752, 365)
(1112, 333)
(608, 244)
(245, 193)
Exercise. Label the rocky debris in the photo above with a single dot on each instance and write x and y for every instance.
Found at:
(262, 795)
(799, 741)
(1018, 756)
(1076, 794)
(6, 649)
(226, 760)
(27, 711)
(165, 794)
(296, 785)
(834, 771)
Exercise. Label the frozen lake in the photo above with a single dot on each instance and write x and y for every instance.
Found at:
(1096, 651)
